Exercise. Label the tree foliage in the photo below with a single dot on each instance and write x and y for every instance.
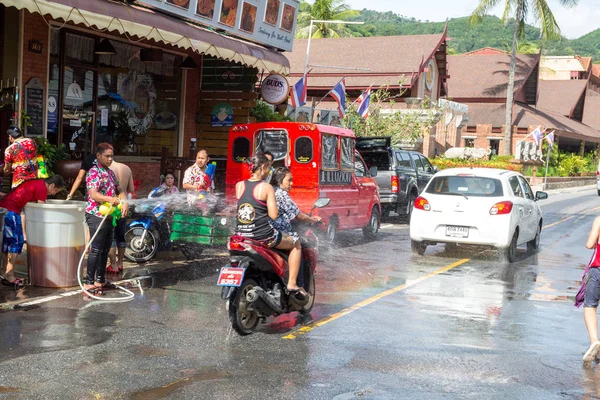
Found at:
(324, 10)
(263, 112)
(490, 33)
(385, 120)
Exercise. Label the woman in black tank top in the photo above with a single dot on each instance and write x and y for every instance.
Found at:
(256, 206)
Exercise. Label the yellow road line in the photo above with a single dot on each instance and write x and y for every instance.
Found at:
(364, 303)
(307, 328)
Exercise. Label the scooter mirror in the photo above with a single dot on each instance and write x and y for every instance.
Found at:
(322, 202)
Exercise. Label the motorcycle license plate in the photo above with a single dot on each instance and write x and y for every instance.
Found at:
(231, 276)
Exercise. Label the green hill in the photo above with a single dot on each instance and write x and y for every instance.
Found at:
(491, 32)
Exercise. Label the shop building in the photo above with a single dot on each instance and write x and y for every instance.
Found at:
(480, 80)
(145, 75)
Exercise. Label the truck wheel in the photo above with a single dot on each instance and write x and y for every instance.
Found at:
(370, 231)
(411, 204)
(418, 247)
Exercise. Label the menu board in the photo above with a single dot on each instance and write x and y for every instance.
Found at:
(268, 22)
(35, 100)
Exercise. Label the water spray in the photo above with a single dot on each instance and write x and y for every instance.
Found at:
(115, 212)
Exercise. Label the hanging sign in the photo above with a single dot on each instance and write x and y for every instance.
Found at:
(275, 89)
(35, 100)
(221, 115)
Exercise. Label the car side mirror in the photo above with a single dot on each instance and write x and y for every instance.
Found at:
(435, 169)
(373, 171)
(541, 195)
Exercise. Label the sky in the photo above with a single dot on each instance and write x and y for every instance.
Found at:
(575, 22)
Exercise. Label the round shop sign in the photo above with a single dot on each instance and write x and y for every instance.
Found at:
(275, 89)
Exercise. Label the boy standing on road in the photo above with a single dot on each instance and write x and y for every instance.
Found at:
(125, 178)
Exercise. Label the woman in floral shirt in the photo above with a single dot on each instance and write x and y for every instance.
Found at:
(102, 187)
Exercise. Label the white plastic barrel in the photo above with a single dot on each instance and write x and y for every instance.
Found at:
(55, 241)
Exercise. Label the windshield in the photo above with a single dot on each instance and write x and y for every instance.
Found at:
(274, 141)
(465, 186)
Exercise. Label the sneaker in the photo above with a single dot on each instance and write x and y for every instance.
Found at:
(591, 352)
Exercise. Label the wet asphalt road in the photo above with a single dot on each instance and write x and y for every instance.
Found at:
(482, 329)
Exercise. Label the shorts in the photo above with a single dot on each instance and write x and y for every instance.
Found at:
(274, 240)
(12, 237)
(592, 288)
(119, 236)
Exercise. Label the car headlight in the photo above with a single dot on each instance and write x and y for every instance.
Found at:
(223, 221)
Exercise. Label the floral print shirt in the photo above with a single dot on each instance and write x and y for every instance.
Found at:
(288, 210)
(22, 154)
(104, 181)
(194, 175)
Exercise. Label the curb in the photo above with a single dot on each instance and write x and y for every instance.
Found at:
(137, 271)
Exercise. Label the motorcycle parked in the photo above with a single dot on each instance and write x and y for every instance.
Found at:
(148, 233)
(254, 281)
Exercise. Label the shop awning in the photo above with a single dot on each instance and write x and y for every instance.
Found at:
(140, 22)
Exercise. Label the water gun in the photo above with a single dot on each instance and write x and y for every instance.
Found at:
(42, 172)
(114, 212)
(208, 178)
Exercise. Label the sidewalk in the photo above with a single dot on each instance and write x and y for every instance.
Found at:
(574, 189)
(165, 264)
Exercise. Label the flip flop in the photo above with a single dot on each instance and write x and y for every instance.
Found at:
(17, 283)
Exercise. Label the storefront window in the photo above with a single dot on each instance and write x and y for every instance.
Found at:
(329, 152)
(138, 102)
(118, 98)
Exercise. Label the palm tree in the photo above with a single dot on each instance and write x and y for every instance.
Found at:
(326, 10)
(519, 10)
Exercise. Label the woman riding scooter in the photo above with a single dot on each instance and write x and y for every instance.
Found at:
(256, 204)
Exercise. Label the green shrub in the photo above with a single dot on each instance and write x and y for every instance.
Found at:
(572, 165)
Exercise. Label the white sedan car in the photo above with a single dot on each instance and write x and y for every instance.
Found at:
(477, 206)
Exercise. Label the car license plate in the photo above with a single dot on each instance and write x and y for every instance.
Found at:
(231, 276)
(457, 231)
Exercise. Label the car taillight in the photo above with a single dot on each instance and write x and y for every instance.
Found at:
(504, 207)
(422, 204)
(395, 185)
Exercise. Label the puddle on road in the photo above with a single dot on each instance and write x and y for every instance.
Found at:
(162, 392)
(51, 329)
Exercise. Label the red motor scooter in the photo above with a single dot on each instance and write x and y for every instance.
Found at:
(254, 281)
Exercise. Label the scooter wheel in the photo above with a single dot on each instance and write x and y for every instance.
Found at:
(311, 289)
(242, 320)
(137, 250)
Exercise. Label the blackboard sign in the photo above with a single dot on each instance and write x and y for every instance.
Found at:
(34, 107)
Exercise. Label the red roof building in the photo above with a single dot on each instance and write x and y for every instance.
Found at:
(480, 81)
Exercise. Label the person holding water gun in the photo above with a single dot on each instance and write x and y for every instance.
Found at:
(103, 191)
(198, 179)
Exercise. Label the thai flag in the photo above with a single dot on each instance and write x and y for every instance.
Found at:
(363, 103)
(550, 139)
(339, 94)
(537, 136)
(298, 94)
